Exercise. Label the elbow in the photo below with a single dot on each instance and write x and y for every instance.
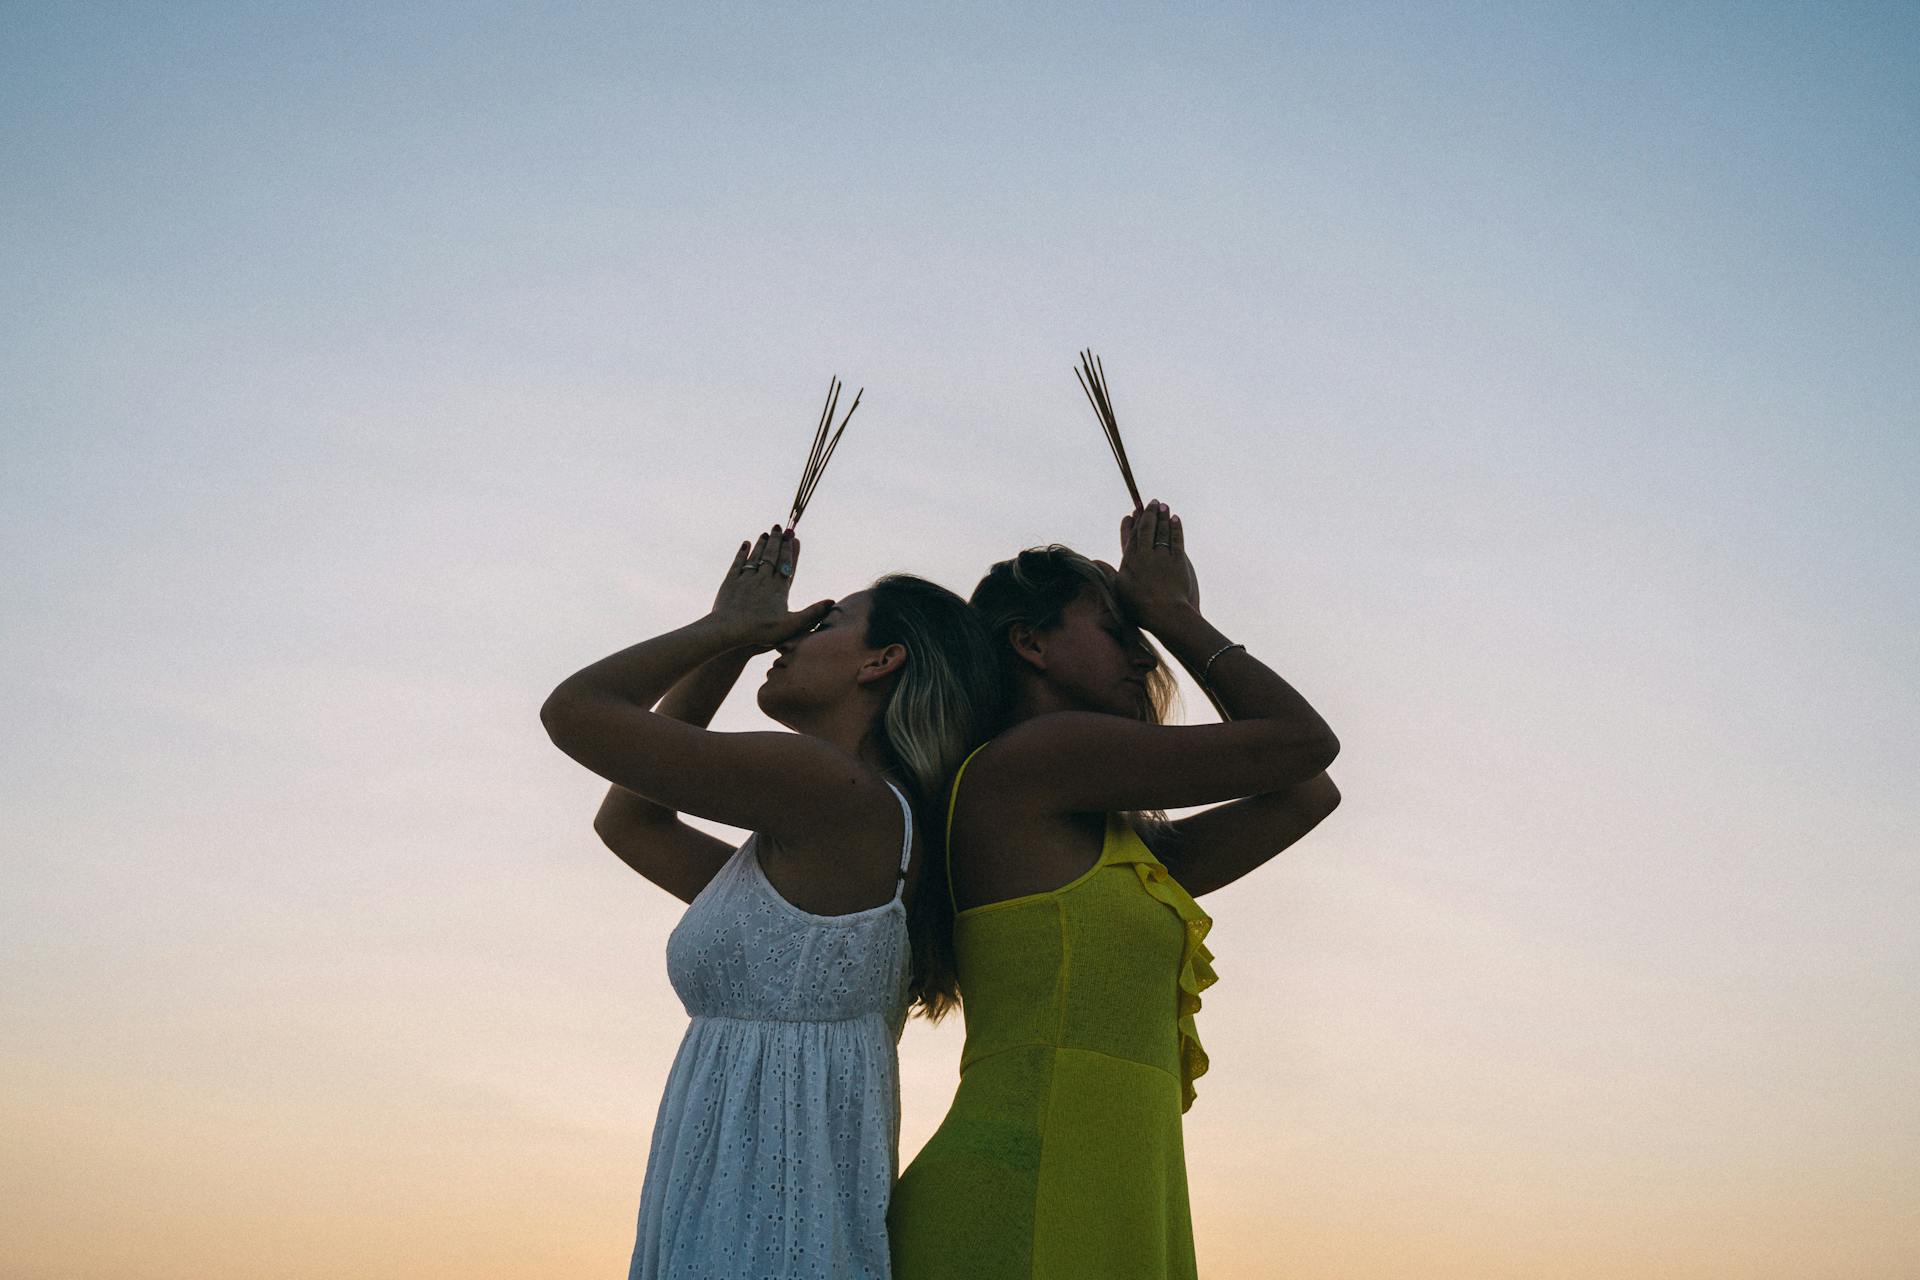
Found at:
(1291, 758)
(558, 714)
(1327, 794)
(1326, 751)
(608, 828)
(1312, 756)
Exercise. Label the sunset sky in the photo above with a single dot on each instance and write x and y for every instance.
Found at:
(1539, 388)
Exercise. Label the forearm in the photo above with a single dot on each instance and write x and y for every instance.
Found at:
(621, 809)
(645, 673)
(694, 699)
(607, 708)
(696, 696)
(1217, 846)
(1241, 686)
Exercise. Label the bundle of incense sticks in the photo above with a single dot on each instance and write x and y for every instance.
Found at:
(823, 447)
(1093, 381)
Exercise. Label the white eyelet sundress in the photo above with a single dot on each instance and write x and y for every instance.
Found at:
(777, 1143)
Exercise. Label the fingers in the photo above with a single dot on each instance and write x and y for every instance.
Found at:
(789, 554)
(1176, 536)
(812, 614)
(740, 556)
(770, 550)
(1145, 521)
(1154, 538)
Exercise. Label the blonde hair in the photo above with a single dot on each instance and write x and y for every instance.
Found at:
(945, 703)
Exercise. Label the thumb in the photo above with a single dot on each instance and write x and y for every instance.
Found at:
(813, 612)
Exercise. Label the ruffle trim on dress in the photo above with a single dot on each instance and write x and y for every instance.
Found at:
(1196, 969)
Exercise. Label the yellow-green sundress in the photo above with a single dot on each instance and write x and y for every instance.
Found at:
(1061, 1156)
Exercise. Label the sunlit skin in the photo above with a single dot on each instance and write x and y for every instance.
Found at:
(818, 794)
(1031, 814)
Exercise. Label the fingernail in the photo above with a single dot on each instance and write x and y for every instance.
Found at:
(1176, 519)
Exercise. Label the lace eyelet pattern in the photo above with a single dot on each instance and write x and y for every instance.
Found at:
(775, 1148)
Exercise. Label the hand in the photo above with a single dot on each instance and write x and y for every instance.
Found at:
(1155, 576)
(752, 600)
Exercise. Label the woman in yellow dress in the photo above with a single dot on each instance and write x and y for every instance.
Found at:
(1078, 944)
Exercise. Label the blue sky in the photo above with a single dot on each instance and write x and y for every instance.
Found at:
(1538, 385)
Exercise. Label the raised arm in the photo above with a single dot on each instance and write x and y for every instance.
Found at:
(1217, 846)
(782, 783)
(1208, 850)
(651, 838)
(1272, 745)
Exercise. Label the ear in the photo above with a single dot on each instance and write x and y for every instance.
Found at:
(882, 664)
(1028, 645)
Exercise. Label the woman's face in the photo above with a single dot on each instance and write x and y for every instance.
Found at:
(821, 666)
(1099, 660)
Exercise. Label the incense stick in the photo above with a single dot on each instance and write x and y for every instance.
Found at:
(1092, 376)
(823, 447)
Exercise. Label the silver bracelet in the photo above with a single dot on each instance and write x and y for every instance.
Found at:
(1207, 670)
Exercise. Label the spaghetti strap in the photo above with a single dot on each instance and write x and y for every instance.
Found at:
(906, 842)
(953, 798)
(788, 1007)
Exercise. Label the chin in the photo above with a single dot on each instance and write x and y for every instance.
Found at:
(772, 706)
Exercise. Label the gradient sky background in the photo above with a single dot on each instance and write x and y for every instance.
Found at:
(1539, 387)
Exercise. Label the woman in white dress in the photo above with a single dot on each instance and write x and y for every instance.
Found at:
(775, 1149)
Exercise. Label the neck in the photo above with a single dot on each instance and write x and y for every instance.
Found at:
(1036, 697)
(849, 726)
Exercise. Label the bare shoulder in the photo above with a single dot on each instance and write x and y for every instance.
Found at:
(1069, 762)
(846, 857)
(847, 798)
(1056, 728)
(1022, 759)
(1009, 837)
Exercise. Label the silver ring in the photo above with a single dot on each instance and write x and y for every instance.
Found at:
(784, 570)
(1162, 546)
(753, 564)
